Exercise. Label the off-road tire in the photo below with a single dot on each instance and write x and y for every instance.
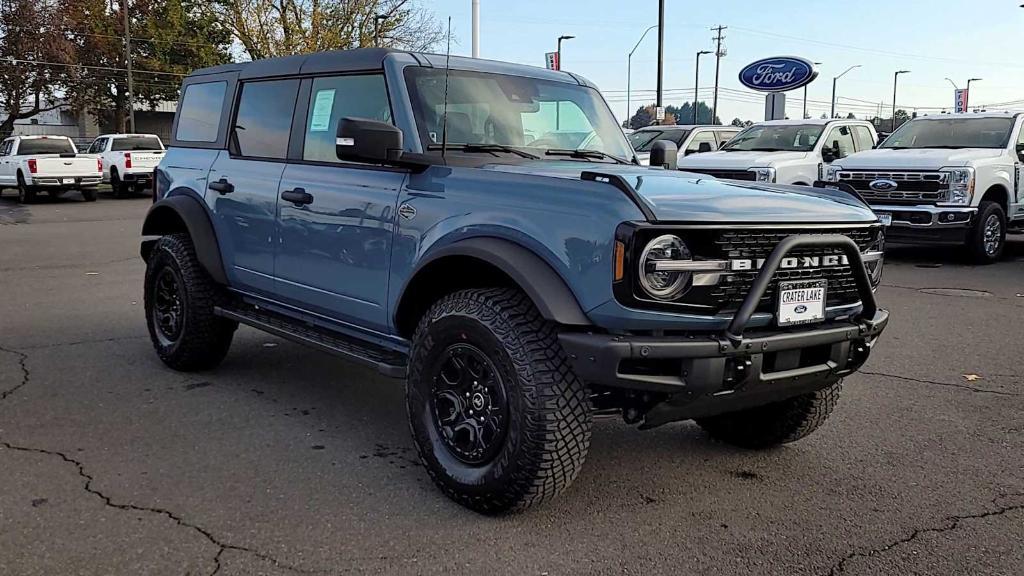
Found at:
(774, 424)
(26, 193)
(88, 194)
(976, 239)
(549, 417)
(204, 338)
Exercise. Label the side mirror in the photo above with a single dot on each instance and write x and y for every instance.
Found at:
(665, 154)
(362, 140)
(828, 155)
(1020, 151)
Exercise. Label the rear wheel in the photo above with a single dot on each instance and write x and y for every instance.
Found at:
(774, 424)
(499, 419)
(120, 189)
(89, 194)
(26, 193)
(180, 298)
(988, 237)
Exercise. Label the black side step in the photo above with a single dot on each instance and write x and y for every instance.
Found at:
(388, 362)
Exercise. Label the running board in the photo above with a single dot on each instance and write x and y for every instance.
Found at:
(388, 362)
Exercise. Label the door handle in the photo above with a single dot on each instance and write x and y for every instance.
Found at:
(222, 186)
(298, 196)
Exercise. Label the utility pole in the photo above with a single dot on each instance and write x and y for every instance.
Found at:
(376, 28)
(661, 48)
(128, 61)
(718, 63)
(696, 84)
(476, 28)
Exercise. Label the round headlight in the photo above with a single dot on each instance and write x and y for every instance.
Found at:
(664, 284)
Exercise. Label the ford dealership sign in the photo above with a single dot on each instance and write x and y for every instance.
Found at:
(778, 74)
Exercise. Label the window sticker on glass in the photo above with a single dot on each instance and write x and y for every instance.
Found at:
(322, 106)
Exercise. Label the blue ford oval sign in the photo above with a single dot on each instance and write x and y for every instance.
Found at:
(778, 74)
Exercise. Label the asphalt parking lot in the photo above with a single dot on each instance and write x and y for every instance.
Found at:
(285, 460)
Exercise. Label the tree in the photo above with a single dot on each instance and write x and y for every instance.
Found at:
(851, 116)
(174, 37)
(30, 31)
(268, 28)
(645, 115)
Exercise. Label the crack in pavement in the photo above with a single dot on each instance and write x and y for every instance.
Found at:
(949, 384)
(221, 545)
(84, 266)
(950, 523)
(25, 374)
(80, 342)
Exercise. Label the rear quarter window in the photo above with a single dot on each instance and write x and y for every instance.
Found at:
(199, 114)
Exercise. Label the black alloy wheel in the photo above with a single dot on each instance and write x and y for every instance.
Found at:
(469, 404)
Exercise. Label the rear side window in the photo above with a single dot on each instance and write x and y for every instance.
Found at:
(863, 137)
(264, 119)
(725, 136)
(45, 146)
(841, 140)
(199, 112)
(334, 98)
(136, 143)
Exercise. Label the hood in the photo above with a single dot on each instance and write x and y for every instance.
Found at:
(920, 159)
(740, 160)
(681, 197)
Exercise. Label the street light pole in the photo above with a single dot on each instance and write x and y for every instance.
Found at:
(895, 78)
(661, 50)
(969, 91)
(834, 80)
(558, 105)
(805, 95)
(696, 84)
(128, 61)
(376, 28)
(476, 28)
(629, 74)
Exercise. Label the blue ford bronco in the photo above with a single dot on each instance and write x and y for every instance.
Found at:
(484, 231)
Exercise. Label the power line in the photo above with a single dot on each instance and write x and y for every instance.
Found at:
(89, 67)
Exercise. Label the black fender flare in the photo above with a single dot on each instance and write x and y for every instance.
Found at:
(548, 291)
(166, 216)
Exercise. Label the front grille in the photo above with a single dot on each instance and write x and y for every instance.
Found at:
(724, 174)
(754, 244)
(911, 187)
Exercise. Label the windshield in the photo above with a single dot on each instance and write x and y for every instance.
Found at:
(776, 138)
(952, 133)
(35, 146)
(643, 140)
(495, 110)
(136, 143)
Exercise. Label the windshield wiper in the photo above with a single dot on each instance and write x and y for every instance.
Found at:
(490, 148)
(585, 154)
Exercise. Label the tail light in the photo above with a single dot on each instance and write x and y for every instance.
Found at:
(160, 184)
(32, 167)
(99, 165)
(127, 160)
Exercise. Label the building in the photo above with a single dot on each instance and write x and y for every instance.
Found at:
(83, 127)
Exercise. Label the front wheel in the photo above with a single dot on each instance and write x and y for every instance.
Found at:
(988, 237)
(499, 419)
(774, 424)
(180, 298)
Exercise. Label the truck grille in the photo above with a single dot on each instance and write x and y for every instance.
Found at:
(911, 187)
(724, 174)
(754, 244)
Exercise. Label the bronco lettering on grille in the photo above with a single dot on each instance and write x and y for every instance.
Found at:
(792, 263)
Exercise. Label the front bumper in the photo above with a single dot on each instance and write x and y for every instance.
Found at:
(927, 224)
(708, 373)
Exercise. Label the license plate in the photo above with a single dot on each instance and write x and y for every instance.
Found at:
(885, 218)
(68, 181)
(801, 302)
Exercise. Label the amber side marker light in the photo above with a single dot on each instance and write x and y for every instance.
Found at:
(620, 259)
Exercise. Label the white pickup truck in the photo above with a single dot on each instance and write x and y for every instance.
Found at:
(52, 164)
(688, 139)
(128, 160)
(784, 151)
(946, 179)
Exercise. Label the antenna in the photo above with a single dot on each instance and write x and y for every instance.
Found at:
(447, 61)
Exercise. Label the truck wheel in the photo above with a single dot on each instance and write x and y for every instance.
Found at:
(988, 237)
(89, 194)
(119, 188)
(26, 194)
(774, 424)
(499, 419)
(179, 299)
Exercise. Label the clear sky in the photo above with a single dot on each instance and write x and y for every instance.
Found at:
(934, 39)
